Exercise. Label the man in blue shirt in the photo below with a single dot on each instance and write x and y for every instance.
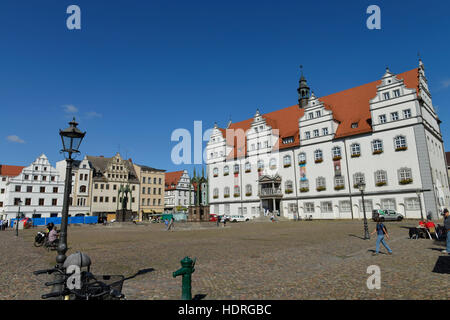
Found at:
(381, 231)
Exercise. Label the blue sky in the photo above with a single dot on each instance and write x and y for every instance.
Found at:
(137, 70)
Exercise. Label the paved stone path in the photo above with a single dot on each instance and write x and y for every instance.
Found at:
(284, 260)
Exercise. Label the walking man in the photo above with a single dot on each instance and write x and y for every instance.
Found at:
(171, 224)
(381, 231)
(447, 229)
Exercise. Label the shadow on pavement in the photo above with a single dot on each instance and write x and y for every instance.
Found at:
(199, 296)
(355, 236)
(442, 265)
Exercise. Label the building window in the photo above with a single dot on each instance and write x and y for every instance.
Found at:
(355, 150)
(302, 158)
(318, 113)
(96, 186)
(412, 204)
(307, 135)
(248, 190)
(273, 164)
(18, 189)
(285, 141)
(358, 178)
(215, 172)
(248, 167)
(394, 116)
(324, 131)
(368, 205)
(310, 115)
(339, 183)
(288, 187)
(287, 161)
(326, 207)
(226, 192)
(377, 146)
(17, 201)
(382, 118)
(405, 176)
(309, 207)
(318, 156)
(237, 191)
(380, 178)
(407, 113)
(29, 189)
(316, 133)
(226, 170)
(236, 169)
(396, 93)
(345, 206)
(354, 125)
(386, 96)
(336, 153)
(41, 202)
(44, 178)
(216, 193)
(95, 199)
(42, 189)
(54, 202)
(35, 178)
(320, 184)
(388, 204)
(260, 165)
(304, 185)
(400, 143)
(28, 201)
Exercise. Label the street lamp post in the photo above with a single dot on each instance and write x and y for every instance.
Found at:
(17, 218)
(361, 187)
(420, 204)
(71, 140)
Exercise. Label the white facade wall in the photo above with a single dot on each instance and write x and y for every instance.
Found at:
(346, 202)
(39, 174)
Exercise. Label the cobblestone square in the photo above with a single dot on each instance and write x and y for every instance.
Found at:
(252, 260)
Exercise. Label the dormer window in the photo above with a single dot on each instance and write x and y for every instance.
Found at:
(310, 115)
(318, 114)
(288, 140)
(396, 93)
(354, 125)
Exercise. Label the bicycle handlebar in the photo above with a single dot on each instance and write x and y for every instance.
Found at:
(48, 271)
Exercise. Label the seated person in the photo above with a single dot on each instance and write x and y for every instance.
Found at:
(53, 235)
(421, 224)
(430, 224)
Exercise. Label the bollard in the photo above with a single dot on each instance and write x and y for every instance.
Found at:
(187, 268)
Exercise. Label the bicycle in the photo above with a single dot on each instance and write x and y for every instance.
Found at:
(91, 287)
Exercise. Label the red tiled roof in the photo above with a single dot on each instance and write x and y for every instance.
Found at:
(348, 106)
(172, 178)
(10, 171)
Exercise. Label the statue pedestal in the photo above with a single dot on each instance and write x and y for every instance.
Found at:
(124, 215)
(198, 214)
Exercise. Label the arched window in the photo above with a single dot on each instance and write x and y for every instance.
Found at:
(273, 163)
(358, 178)
(400, 143)
(260, 165)
(380, 178)
(377, 146)
(82, 189)
(237, 191)
(226, 170)
(355, 150)
(236, 168)
(288, 186)
(248, 190)
(405, 176)
(336, 153)
(318, 156)
(287, 161)
(216, 193)
(302, 158)
(226, 192)
(215, 172)
(248, 167)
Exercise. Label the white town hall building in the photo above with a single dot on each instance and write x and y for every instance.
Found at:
(308, 159)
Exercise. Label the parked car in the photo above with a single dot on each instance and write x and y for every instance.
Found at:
(213, 217)
(387, 215)
(238, 219)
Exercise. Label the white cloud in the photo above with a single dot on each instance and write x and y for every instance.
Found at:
(69, 108)
(15, 139)
(445, 83)
(93, 114)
